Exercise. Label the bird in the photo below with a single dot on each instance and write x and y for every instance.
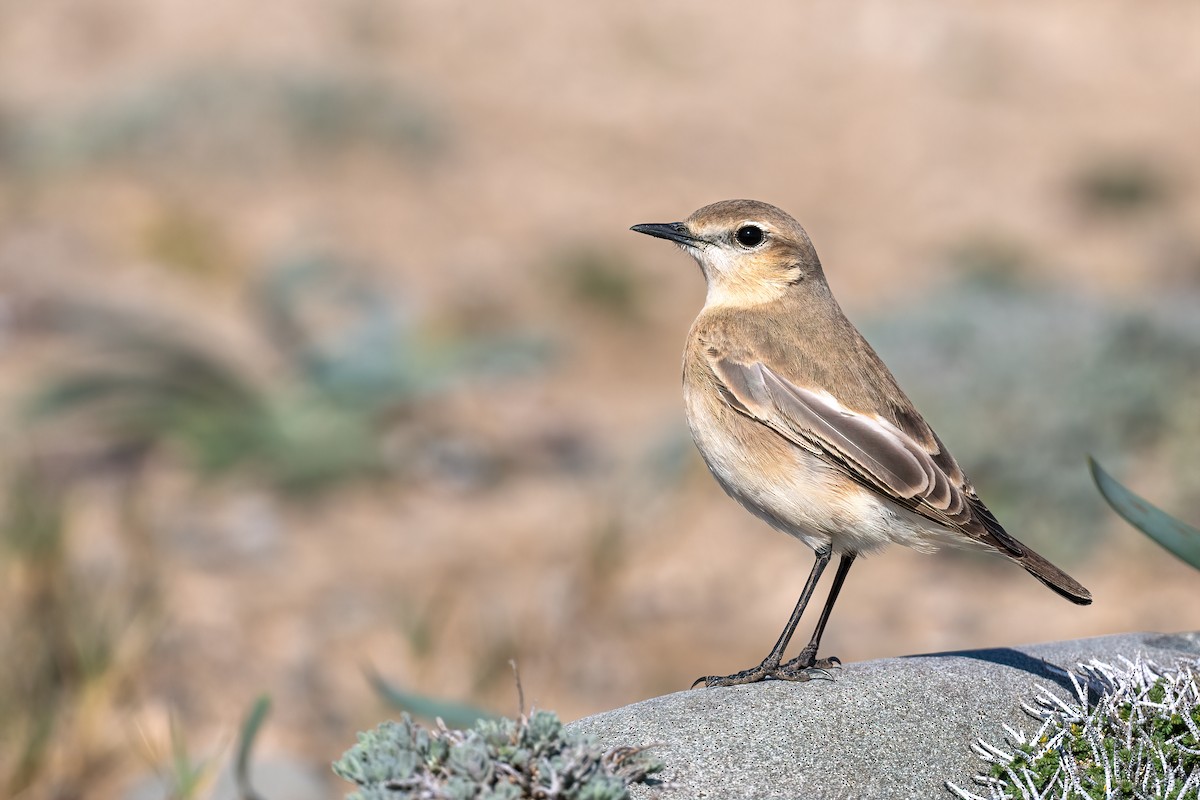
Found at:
(802, 423)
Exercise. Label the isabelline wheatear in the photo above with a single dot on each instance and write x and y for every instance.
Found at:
(800, 421)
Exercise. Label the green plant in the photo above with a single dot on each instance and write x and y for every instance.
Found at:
(503, 759)
(1177, 537)
(1131, 732)
(69, 634)
(1119, 185)
(602, 281)
(146, 390)
(457, 714)
(250, 728)
(226, 118)
(185, 777)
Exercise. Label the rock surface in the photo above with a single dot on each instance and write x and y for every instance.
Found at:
(893, 728)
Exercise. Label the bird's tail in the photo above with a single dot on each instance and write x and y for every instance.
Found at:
(1038, 567)
(1053, 577)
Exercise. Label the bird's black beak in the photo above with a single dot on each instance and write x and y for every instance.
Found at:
(672, 231)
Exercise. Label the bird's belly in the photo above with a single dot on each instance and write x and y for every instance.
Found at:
(797, 492)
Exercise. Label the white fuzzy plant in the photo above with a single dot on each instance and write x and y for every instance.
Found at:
(1131, 731)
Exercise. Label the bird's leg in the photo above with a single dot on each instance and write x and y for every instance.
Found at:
(807, 660)
(770, 668)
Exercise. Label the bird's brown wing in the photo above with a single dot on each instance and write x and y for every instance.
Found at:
(907, 465)
(873, 451)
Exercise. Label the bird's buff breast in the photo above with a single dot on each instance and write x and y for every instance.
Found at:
(792, 489)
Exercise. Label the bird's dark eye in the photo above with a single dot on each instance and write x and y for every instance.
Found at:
(749, 236)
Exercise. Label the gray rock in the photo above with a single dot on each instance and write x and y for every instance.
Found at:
(893, 728)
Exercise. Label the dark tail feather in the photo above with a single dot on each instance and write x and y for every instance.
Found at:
(1038, 567)
(1054, 577)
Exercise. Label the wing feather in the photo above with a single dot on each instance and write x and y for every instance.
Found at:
(870, 449)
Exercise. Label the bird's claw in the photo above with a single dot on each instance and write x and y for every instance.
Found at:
(753, 675)
(801, 663)
(794, 671)
(803, 674)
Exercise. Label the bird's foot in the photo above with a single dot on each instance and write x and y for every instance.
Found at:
(807, 661)
(790, 671)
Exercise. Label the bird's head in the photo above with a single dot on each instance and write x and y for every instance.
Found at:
(750, 252)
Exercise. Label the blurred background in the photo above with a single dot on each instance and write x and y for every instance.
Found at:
(326, 348)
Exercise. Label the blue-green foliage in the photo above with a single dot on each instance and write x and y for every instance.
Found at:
(500, 759)
(250, 728)
(225, 118)
(1176, 536)
(449, 711)
(317, 422)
